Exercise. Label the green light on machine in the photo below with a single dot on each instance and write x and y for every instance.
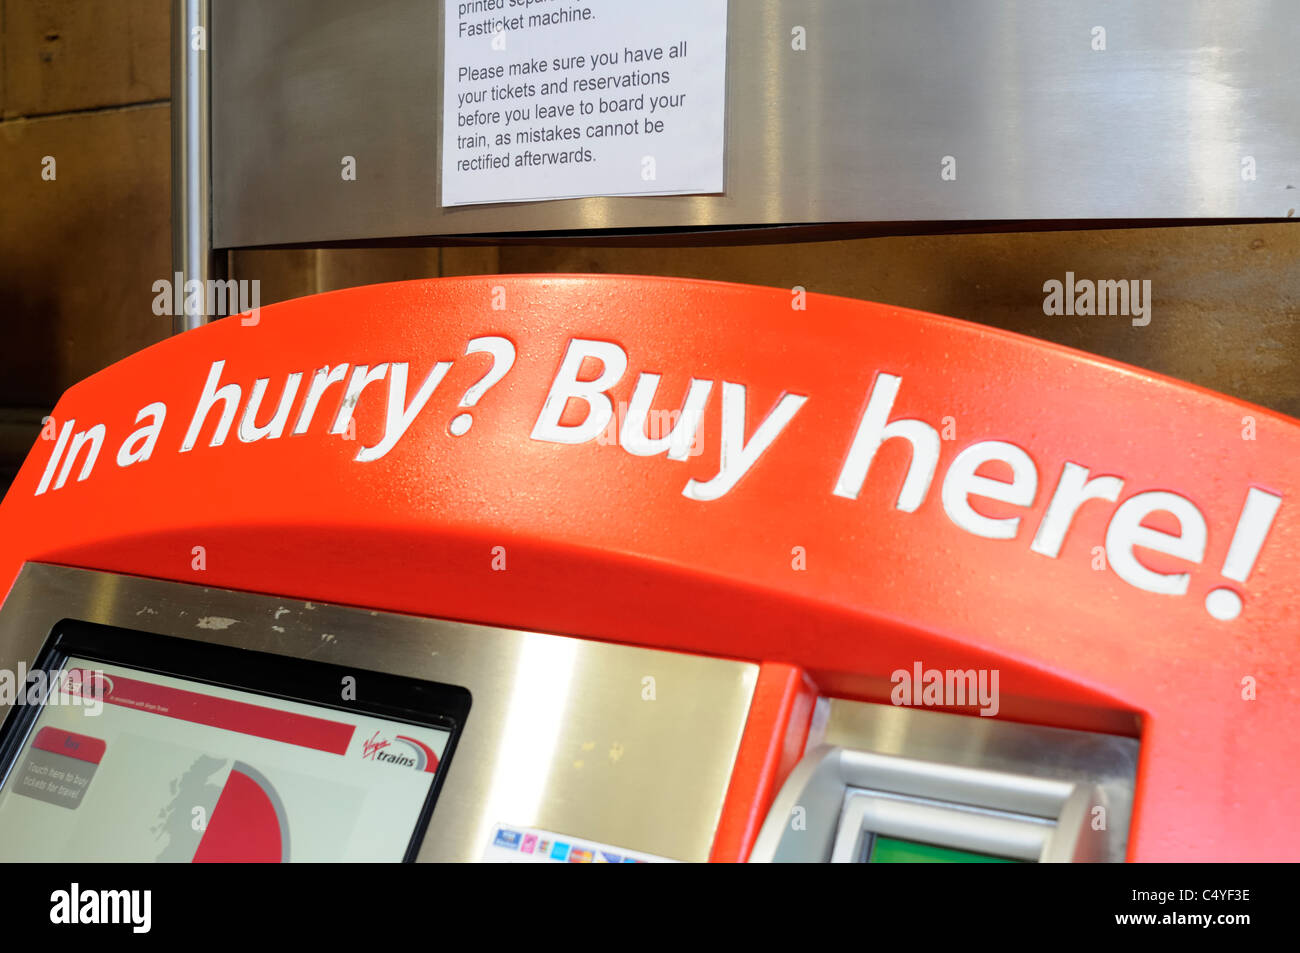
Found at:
(891, 850)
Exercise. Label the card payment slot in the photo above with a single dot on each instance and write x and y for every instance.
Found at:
(844, 804)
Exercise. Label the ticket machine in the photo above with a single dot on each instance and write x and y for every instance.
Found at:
(612, 569)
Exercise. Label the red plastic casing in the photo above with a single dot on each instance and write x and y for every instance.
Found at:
(831, 594)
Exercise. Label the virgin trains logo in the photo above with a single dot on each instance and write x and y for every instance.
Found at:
(400, 750)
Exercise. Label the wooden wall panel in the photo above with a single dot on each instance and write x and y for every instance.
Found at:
(79, 254)
(67, 55)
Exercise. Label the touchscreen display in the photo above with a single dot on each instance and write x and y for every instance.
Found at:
(122, 764)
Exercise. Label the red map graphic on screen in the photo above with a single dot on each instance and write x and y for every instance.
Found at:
(248, 823)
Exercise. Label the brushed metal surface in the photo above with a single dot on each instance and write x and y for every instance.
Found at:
(1042, 126)
(892, 815)
(1030, 770)
(559, 736)
(191, 121)
(1049, 754)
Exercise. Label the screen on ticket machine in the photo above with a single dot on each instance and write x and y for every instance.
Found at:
(613, 569)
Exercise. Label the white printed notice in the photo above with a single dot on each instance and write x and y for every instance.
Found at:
(553, 99)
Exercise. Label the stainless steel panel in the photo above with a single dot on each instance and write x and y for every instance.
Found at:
(559, 736)
(1039, 797)
(907, 818)
(851, 130)
(1050, 754)
(1022, 772)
